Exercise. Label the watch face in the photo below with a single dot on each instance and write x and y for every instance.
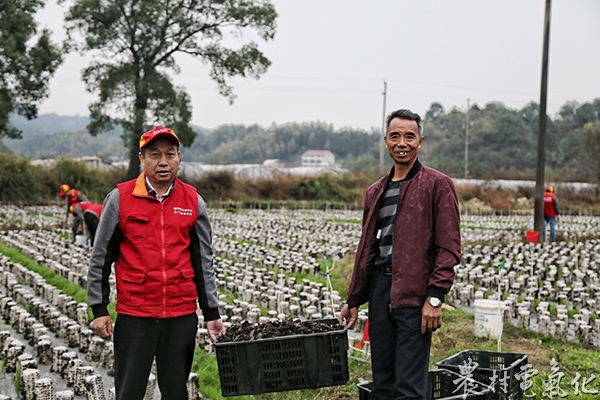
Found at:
(435, 302)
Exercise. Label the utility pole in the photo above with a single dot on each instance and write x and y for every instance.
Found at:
(541, 148)
(467, 143)
(382, 143)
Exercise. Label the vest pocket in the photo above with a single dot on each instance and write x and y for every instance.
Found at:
(188, 286)
(133, 289)
(137, 226)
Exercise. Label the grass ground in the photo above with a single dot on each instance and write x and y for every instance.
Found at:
(575, 366)
(575, 369)
(565, 369)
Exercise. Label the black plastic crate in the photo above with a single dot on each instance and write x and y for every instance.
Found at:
(284, 363)
(364, 389)
(444, 385)
(448, 385)
(496, 369)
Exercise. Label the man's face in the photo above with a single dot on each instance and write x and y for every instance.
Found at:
(403, 141)
(160, 161)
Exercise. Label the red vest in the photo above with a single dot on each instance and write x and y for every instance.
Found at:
(86, 206)
(154, 273)
(72, 198)
(549, 209)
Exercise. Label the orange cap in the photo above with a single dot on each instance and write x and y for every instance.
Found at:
(550, 189)
(64, 188)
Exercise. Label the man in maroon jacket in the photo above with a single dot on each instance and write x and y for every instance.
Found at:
(404, 262)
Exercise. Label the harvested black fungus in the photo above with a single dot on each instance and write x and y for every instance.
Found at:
(273, 329)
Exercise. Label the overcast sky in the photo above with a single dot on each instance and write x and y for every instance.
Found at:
(331, 57)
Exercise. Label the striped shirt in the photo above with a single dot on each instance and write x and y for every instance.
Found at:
(386, 220)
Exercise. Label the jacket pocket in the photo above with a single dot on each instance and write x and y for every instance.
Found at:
(133, 288)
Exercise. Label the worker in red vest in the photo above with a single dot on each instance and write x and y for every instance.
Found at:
(89, 213)
(72, 196)
(550, 213)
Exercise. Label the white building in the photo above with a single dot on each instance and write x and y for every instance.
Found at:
(95, 162)
(91, 161)
(318, 158)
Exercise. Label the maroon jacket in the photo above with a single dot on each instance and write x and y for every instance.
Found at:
(426, 239)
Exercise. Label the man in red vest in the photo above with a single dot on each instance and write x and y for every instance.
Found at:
(550, 213)
(156, 231)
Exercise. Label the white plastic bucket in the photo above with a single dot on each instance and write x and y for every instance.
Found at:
(80, 239)
(489, 318)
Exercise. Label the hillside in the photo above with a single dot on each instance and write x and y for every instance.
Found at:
(52, 135)
(49, 124)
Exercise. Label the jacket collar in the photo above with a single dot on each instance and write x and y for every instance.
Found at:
(411, 174)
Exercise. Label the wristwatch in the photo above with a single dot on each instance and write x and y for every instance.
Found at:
(434, 301)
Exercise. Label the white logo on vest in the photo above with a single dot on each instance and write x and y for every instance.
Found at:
(182, 211)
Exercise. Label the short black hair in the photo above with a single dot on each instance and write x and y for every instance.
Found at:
(404, 114)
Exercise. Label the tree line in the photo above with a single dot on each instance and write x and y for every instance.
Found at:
(502, 142)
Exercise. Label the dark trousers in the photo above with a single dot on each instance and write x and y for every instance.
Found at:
(399, 351)
(138, 340)
(91, 222)
(77, 226)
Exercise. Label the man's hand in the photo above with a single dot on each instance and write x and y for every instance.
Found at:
(215, 328)
(431, 318)
(348, 314)
(102, 326)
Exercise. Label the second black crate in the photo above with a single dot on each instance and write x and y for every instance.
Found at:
(498, 370)
(443, 384)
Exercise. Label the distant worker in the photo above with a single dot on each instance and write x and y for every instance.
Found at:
(89, 213)
(550, 213)
(79, 228)
(73, 197)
